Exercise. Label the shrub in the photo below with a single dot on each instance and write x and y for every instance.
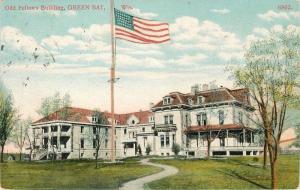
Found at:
(255, 159)
(176, 148)
(148, 149)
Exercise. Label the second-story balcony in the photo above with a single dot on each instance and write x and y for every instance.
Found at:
(165, 127)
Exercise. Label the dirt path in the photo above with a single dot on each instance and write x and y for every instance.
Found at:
(138, 184)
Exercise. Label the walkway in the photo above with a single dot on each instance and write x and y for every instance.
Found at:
(138, 184)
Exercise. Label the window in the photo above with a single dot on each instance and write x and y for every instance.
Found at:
(94, 119)
(54, 128)
(200, 99)
(222, 141)
(143, 129)
(166, 119)
(145, 140)
(240, 117)
(173, 139)
(45, 130)
(167, 100)
(167, 140)
(186, 119)
(171, 119)
(106, 142)
(81, 155)
(106, 131)
(132, 122)
(125, 131)
(190, 101)
(94, 143)
(94, 130)
(82, 143)
(162, 141)
(81, 129)
(221, 117)
(201, 119)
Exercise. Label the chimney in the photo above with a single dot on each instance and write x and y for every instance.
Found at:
(205, 87)
(194, 89)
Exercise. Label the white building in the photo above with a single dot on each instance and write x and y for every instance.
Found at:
(221, 115)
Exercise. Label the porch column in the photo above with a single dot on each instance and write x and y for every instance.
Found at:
(72, 138)
(41, 137)
(49, 137)
(58, 137)
(226, 137)
(244, 139)
(198, 140)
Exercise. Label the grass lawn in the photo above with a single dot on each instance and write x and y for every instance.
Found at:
(233, 173)
(70, 174)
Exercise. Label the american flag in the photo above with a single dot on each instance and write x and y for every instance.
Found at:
(140, 30)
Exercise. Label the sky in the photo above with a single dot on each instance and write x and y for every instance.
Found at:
(68, 51)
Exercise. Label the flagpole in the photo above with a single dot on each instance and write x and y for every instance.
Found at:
(112, 79)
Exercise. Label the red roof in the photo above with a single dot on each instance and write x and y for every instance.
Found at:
(212, 127)
(210, 96)
(82, 115)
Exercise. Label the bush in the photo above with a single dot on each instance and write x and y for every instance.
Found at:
(148, 149)
(255, 159)
(176, 148)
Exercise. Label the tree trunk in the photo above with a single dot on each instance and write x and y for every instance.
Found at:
(265, 154)
(2, 150)
(208, 149)
(30, 154)
(97, 158)
(20, 156)
(274, 175)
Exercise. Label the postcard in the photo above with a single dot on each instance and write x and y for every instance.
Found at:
(138, 94)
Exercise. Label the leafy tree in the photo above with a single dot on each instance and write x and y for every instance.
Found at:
(20, 134)
(55, 103)
(175, 148)
(7, 117)
(139, 150)
(148, 149)
(99, 133)
(270, 73)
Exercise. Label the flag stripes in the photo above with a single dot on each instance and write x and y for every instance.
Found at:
(139, 30)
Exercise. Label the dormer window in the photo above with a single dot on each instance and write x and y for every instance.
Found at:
(133, 122)
(200, 99)
(190, 101)
(166, 100)
(94, 119)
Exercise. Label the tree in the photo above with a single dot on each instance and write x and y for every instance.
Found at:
(175, 148)
(7, 117)
(99, 135)
(55, 103)
(148, 149)
(139, 149)
(270, 73)
(20, 134)
(30, 139)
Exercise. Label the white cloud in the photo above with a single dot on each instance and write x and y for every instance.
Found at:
(190, 34)
(60, 42)
(139, 13)
(220, 11)
(94, 31)
(261, 31)
(185, 60)
(271, 15)
(14, 38)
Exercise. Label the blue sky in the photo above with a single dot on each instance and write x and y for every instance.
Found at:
(206, 36)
